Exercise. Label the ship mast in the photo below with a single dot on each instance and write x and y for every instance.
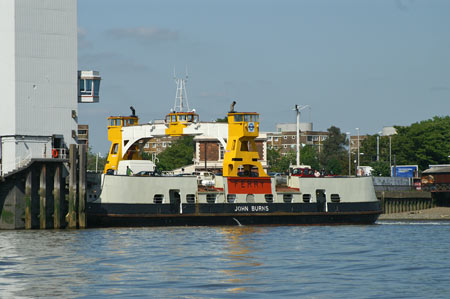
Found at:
(181, 100)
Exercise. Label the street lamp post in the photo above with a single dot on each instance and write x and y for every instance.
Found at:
(299, 108)
(357, 129)
(390, 154)
(349, 155)
(378, 148)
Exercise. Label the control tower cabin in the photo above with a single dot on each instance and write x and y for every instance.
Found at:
(39, 80)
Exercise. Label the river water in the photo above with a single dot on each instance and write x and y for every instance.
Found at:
(386, 260)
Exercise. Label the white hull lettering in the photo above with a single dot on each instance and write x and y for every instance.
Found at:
(252, 209)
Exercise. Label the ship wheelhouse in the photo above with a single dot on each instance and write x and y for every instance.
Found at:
(177, 121)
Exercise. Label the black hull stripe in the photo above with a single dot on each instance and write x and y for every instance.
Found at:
(100, 215)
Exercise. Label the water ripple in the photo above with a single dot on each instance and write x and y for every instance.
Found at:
(386, 260)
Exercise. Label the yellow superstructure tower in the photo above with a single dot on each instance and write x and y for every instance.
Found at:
(242, 155)
(177, 121)
(115, 124)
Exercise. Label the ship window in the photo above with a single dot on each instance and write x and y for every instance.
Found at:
(231, 198)
(250, 198)
(158, 198)
(195, 118)
(238, 117)
(131, 121)
(335, 198)
(287, 197)
(306, 197)
(189, 118)
(190, 198)
(269, 198)
(182, 117)
(115, 148)
(210, 198)
(173, 118)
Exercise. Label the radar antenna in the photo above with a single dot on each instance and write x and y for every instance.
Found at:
(181, 100)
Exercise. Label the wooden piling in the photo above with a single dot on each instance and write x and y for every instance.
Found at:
(42, 195)
(28, 181)
(72, 221)
(82, 186)
(58, 196)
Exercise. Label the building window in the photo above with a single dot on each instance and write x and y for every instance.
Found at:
(309, 138)
(147, 145)
(285, 137)
(276, 139)
(153, 145)
(164, 144)
(221, 152)
(285, 146)
(293, 137)
(275, 147)
(316, 138)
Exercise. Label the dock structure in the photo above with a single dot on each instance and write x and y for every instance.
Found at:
(36, 196)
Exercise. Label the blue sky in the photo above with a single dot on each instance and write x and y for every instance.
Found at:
(364, 64)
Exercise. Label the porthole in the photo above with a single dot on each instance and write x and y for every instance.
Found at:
(211, 198)
(269, 198)
(335, 198)
(306, 197)
(231, 198)
(287, 197)
(250, 198)
(158, 198)
(190, 198)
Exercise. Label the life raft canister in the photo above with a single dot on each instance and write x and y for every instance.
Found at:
(54, 153)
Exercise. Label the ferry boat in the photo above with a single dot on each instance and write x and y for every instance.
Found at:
(243, 195)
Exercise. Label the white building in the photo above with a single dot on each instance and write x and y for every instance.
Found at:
(38, 79)
(287, 127)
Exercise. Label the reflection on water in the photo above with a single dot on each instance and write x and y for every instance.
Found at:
(223, 262)
(238, 250)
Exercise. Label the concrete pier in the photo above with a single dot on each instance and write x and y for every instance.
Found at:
(36, 197)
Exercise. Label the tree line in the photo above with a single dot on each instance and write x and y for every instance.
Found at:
(423, 143)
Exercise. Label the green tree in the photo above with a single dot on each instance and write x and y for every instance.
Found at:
(423, 143)
(308, 156)
(178, 155)
(222, 120)
(333, 157)
(93, 163)
(278, 162)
